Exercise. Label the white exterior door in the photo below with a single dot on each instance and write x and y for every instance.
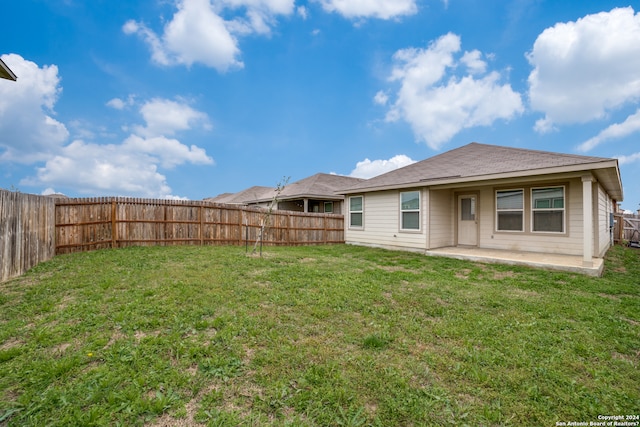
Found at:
(467, 220)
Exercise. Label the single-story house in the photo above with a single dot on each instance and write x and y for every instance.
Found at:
(490, 197)
(317, 193)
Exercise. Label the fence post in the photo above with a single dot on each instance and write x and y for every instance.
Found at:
(201, 225)
(114, 232)
(324, 229)
(241, 210)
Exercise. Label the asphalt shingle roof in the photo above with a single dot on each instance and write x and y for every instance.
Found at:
(320, 185)
(474, 160)
(250, 194)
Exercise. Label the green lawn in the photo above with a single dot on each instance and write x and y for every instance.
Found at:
(315, 336)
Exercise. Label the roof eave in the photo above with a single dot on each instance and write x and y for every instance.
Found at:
(303, 196)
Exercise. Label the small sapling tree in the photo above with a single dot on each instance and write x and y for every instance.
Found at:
(265, 220)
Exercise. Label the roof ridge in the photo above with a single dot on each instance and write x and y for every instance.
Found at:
(532, 150)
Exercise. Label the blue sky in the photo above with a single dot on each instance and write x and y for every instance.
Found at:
(192, 98)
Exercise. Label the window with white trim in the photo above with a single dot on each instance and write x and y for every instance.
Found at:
(410, 210)
(328, 207)
(510, 210)
(547, 209)
(356, 211)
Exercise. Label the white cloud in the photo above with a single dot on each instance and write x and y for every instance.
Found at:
(260, 14)
(473, 61)
(121, 104)
(159, 53)
(302, 12)
(129, 168)
(283, 7)
(368, 168)
(165, 117)
(31, 135)
(635, 157)
(381, 98)
(29, 132)
(102, 169)
(197, 33)
(168, 152)
(436, 103)
(584, 69)
(544, 125)
(614, 131)
(383, 9)
(116, 103)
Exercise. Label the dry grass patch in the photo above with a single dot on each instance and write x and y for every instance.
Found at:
(11, 343)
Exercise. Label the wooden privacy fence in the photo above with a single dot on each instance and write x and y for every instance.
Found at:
(26, 232)
(96, 223)
(627, 227)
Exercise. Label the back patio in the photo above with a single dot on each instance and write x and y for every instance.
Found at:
(570, 263)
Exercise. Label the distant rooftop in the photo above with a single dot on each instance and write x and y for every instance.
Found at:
(318, 186)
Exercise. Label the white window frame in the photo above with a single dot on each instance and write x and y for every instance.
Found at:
(521, 210)
(328, 204)
(403, 211)
(361, 212)
(551, 209)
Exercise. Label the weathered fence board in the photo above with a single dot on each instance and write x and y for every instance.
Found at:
(26, 232)
(627, 227)
(34, 228)
(94, 223)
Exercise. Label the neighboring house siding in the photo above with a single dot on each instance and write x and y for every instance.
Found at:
(602, 221)
(441, 218)
(289, 206)
(382, 223)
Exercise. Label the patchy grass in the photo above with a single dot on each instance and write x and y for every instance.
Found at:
(315, 336)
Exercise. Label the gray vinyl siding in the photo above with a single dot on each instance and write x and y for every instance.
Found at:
(569, 243)
(441, 218)
(601, 220)
(381, 223)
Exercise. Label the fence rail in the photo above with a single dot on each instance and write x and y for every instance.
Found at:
(95, 223)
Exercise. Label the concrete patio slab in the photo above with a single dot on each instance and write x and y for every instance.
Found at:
(532, 259)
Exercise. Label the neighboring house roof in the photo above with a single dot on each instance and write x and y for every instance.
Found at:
(319, 186)
(5, 72)
(251, 194)
(480, 162)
